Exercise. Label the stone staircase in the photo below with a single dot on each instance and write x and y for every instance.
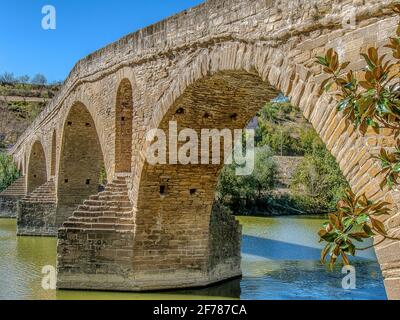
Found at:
(9, 198)
(36, 214)
(46, 193)
(17, 189)
(108, 210)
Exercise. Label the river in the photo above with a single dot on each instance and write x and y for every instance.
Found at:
(280, 260)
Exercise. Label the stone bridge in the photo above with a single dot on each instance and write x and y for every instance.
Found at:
(213, 66)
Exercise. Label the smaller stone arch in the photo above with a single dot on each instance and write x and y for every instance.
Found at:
(123, 127)
(53, 154)
(37, 170)
(80, 162)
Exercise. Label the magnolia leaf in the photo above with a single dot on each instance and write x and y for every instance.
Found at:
(373, 55)
(345, 259)
(378, 226)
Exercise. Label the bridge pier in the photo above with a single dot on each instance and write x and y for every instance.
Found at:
(9, 198)
(99, 253)
(36, 213)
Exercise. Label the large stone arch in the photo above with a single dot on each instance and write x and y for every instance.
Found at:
(80, 161)
(123, 127)
(174, 203)
(37, 169)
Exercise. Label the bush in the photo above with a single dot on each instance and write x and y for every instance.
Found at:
(8, 171)
(243, 192)
(318, 184)
(279, 129)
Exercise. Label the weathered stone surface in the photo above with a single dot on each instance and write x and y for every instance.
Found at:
(36, 213)
(218, 62)
(8, 206)
(9, 198)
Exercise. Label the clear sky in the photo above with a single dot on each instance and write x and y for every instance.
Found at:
(82, 27)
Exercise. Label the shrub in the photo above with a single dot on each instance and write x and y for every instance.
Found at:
(242, 192)
(318, 184)
(8, 171)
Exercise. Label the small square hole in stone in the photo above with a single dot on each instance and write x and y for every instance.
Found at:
(66, 180)
(87, 181)
(180, 111)
(69, 123)
(193, 191)
(162, 190)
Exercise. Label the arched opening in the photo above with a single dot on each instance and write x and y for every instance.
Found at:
(123, 127)
(53, 154)
(176, 210)
(81, 161)
(37, 171)
(175, 201)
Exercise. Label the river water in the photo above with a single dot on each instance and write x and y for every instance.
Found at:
(280, 261)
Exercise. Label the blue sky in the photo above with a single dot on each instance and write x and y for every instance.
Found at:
(82, 27)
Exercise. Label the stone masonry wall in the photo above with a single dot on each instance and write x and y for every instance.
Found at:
(225, 242)
(8, 206)
(36, 219)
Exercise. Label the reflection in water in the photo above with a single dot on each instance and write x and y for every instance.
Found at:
(280, 261)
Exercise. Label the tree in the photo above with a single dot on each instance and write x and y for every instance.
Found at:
(241, 192)
(8, 171)
(7, 78)
(24, 79)
(39, 79)
(370, 104)
(318, 183)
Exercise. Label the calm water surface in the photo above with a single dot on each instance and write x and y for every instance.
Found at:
(280, 261)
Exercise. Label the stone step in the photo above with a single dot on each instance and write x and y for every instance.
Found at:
(123, 198)
(109, 210)
(84, 207)
(102, 220)
(16, 189)
(98, 226)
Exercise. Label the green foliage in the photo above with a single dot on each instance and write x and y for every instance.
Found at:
(278, 129)
(373, 103)
(26, 110)
(8, 171)
(103, 176)
(390, 162)
(354, 220)
(318, 184)
(241, 192)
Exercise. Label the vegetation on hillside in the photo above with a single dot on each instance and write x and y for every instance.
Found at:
(317, 183)
(24, 86)
(21, 101)
(8, 171)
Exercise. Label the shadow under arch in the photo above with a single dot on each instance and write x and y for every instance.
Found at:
(37, 169)
(123, 127)
(53, 153)
(81, 161)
